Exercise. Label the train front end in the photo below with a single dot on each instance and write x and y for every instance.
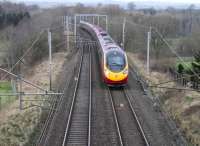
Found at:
(115, 68)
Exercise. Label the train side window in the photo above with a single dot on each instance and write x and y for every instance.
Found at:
(103, 34)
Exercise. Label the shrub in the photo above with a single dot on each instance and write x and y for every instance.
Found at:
(180, 68)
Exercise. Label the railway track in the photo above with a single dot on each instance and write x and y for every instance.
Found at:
(44, 131)
(103, 131)
(77, 131)
(92, 114)
(56, 106)
(159, 127)
(130, 131)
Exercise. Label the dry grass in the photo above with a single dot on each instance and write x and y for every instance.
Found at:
(16, 125)
(183, 106)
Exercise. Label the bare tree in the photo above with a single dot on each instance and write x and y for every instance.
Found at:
(131, 6)
(190, 11)
(79, 7)
(113, 9)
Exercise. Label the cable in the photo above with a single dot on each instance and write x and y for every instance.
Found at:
(59, 45)
(133, 23)
(56, 28)
(187, 89)
(183, 77)
(140, 25)
(170, 47)
(27, 51)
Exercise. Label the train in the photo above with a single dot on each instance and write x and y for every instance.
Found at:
(113, 59)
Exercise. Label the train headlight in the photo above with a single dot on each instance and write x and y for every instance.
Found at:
(125, 71)
(106, 72)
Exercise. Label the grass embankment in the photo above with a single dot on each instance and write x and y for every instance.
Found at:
(17, 127)
(5, 87)
(183, 106)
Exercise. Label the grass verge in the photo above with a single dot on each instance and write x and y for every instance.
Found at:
(5, 87)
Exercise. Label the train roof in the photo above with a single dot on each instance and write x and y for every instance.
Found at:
(106, 41)
(112, 47)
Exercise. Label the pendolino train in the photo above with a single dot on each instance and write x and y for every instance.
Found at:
(113, 59)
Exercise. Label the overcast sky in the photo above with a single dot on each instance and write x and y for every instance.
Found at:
(165, 1)
(169, 1)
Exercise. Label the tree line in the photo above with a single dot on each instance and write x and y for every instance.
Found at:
(11, 16)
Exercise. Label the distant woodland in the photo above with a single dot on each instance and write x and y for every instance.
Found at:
(12, 14)
(20, 24)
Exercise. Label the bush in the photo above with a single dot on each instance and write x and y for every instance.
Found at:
(180, 68)
(197, 57)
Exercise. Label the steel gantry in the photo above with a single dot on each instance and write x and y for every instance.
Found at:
(90, 18)
(21, 93)
(71, 22)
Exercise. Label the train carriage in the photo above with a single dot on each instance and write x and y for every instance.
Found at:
(113, 59)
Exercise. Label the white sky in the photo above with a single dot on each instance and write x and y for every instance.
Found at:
(165, 1)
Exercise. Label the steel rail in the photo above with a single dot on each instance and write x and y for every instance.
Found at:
(74, 102)
(90, 99)
(136, 118)
(49, 117)
(115, 118)
(46, 122)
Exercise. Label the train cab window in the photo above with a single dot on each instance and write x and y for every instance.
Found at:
(104, 34)
(115, 61)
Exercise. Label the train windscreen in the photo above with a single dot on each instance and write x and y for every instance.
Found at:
(104, 34)
(115, 61)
